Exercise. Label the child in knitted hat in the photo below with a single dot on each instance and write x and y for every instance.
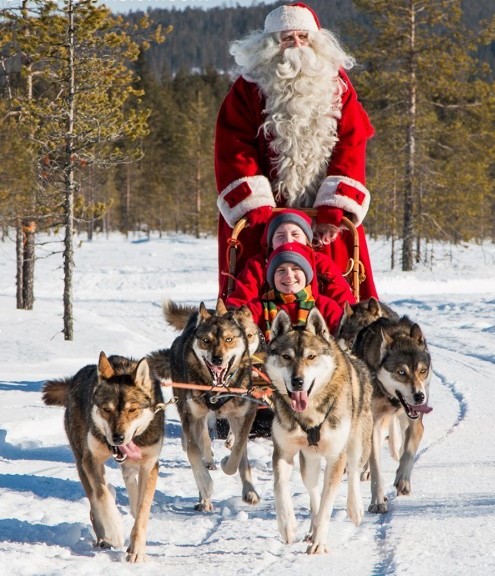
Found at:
(288, 286)
(289, 225)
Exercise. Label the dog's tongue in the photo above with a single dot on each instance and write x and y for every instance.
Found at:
(423, 408)
(299, 401)
(131, 450)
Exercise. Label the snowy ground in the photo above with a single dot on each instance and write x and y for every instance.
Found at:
(446, 528)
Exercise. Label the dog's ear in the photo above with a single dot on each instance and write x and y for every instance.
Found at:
(316, 324)
(203, 313)
(374, 307)
(281, 324)
(105, 369)
(417, 335)
(348, 311)
(385, 344)
(142, 376)
(221, 309)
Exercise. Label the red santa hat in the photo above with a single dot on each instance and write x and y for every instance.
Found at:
(287, 215)
(292, 252)
(295, 16)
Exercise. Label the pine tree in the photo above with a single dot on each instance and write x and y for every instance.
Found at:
(427, 97)
(84, 102)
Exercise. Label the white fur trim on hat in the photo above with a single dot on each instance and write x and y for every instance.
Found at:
(290, 18)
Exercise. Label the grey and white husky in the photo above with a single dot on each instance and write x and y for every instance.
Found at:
(322, 405)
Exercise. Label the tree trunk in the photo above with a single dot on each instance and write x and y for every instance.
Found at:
(408, 227)
(29, 232)
(69, 188)
(19, 252)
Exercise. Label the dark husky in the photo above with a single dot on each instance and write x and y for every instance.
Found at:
(322, 404)
(214, 350)
(114, 409)
(358, 316)
(398, 357)
(355, 318)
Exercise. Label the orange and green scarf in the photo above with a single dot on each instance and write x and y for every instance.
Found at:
(272, 300)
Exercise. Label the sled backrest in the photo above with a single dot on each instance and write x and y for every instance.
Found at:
(354, 269)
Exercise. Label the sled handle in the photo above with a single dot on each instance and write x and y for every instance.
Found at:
(354, 270)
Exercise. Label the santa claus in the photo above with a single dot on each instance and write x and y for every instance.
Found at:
(291, 132)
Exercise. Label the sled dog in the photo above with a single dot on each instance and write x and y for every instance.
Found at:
(400, 363)
(214, 349)
(355, 318)
(358, 316)
(322, 405)
(114, 409)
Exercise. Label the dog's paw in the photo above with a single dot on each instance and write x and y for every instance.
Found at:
(317, 548)
(228, 467)
(102, 543)
(375, 508)
(251, 497)
(135, 557)
(211, 465)
(356, 513)
(204, 506)
(230, 440)
(404, 487)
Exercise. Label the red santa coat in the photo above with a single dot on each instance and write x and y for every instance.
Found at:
(244, 175)
(251, 283)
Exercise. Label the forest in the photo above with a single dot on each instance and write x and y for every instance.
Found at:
(107, 121)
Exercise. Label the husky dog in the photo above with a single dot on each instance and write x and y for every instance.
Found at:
(114, 409)
(214, 350)
(358, 316)
(355, 318)
(322, 405)
(398, 357)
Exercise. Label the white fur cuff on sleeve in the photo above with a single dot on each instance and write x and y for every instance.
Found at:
(356, 204)
(259, 193)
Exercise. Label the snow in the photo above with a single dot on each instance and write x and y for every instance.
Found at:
(446, 527)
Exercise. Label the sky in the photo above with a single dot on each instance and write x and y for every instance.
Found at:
(125, 6)
(446, 527)
(128, 5)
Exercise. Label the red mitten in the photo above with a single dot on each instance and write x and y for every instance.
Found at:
(327, 227)
(259, 215)
(329, 215)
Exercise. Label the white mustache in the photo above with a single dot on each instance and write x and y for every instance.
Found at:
(296, 59)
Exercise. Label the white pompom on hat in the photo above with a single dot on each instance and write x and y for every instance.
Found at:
(295, 16)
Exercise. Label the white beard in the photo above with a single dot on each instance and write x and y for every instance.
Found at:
(303, 107)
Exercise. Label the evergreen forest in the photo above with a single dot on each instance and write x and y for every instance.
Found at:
(107, 121)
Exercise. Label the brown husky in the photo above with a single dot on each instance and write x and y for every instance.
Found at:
(214, 350)
(114, 409)
(322, 405)
(398, 357)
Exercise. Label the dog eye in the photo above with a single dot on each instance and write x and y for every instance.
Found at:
(131, 410)
(423, 371)
(106, 410)
(205, 340)
(311, 356)
(401, 372)
(228, 340)
(286, 356)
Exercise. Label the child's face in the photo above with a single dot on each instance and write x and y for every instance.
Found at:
(289, 278)
(288, 232)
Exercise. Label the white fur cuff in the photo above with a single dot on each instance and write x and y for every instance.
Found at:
(260, 195)
(327, 196)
